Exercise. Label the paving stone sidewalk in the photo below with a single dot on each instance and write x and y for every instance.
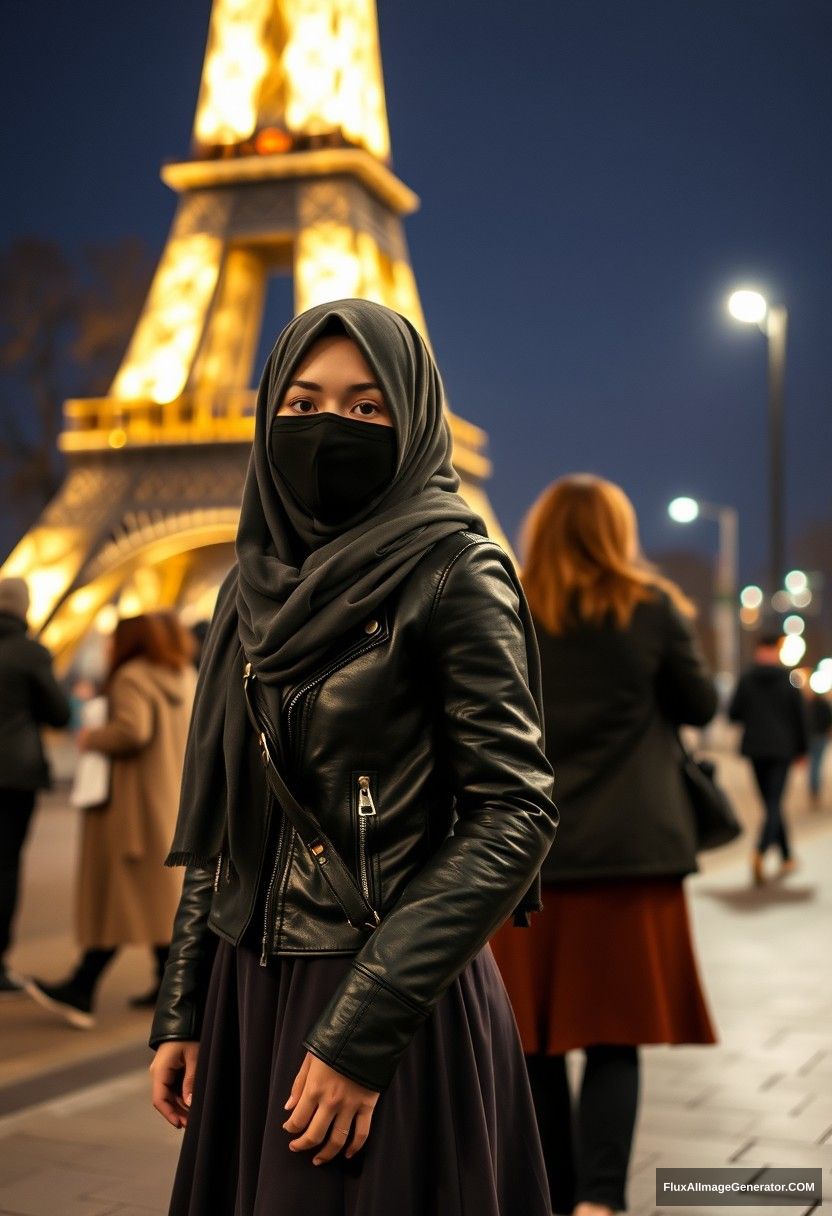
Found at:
(763, 1097)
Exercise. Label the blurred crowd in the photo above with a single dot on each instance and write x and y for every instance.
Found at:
(610, 965)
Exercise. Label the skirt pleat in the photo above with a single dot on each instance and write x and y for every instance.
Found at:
(453, 1135)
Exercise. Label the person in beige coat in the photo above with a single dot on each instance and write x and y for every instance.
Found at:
(126, 896)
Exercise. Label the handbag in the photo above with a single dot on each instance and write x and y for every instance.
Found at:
(332, 867)
(93, 772)
(714, 818)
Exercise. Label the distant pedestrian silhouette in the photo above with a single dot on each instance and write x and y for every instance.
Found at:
(775, 733)
(30, 697)
(820, 729)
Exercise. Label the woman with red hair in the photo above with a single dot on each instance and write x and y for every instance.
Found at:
(609, 964)
(125, 894)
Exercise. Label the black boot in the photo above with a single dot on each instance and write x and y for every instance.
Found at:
(73, 999)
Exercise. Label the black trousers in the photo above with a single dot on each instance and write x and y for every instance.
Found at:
(771, 778)
(16, 807)
(587, 1141)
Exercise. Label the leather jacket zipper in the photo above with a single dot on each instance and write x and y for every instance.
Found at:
(276, 871)
(326, 673)
(366, 811)
(267, 913)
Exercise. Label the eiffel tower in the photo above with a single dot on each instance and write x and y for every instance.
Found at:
(289, 173)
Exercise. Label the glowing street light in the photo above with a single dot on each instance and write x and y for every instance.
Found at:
(747, 306)
(796, 581)
(685, 510)
(794, 625)
(752, 308)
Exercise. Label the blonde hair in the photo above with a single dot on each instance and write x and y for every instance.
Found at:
(582, 560)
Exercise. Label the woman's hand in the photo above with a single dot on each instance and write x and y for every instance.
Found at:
(173, 1071)
(81, 738)
(327, 1109)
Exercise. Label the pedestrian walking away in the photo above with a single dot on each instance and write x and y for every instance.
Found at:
(125, 895)
(820, 729)
(610, 963)
(365, 800)
(30, 698)
(773, 716)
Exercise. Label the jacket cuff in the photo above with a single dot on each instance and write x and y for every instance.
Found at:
(365, 1029)
(180, 1007)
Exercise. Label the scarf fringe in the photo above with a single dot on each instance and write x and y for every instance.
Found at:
(195, 860)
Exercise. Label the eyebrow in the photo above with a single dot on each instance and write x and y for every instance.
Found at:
(317, 388)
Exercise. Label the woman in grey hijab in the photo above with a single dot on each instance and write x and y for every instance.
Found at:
(393, 682)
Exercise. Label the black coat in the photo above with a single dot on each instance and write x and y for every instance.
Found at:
(612, 701)
(820, 716)
(431, 710)
(30, 697)
(772, 712)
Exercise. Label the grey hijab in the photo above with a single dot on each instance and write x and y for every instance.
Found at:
(298, 584)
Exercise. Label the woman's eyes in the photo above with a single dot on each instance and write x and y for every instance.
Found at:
(364, 409)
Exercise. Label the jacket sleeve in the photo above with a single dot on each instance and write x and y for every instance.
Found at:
(181, 1002)
(131, 720)
(50, 702)
(686, 691)
(489, 728)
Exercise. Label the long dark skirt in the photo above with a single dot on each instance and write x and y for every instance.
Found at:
(453, 1135)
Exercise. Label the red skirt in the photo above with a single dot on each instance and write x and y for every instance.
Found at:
(605, 962)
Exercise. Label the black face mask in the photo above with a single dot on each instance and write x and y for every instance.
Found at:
(334, 465)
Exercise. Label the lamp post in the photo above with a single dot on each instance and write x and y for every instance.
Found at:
(752, 308)
(726, 626)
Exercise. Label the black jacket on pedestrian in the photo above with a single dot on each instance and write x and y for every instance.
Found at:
(417, 743)
(820, 716)
(772, 712)
(30, 697)
(613, 699)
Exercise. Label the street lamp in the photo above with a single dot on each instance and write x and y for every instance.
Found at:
(685, 510)
(752, 308)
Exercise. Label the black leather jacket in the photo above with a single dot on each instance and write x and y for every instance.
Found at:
(419, 747)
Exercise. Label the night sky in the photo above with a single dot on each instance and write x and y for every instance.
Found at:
(594, 174)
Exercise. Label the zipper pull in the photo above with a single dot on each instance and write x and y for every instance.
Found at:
(366, 806)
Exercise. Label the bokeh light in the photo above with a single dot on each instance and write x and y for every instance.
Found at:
(792, 650)
(796, 581)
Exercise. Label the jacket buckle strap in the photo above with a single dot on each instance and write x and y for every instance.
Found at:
(265, 754)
